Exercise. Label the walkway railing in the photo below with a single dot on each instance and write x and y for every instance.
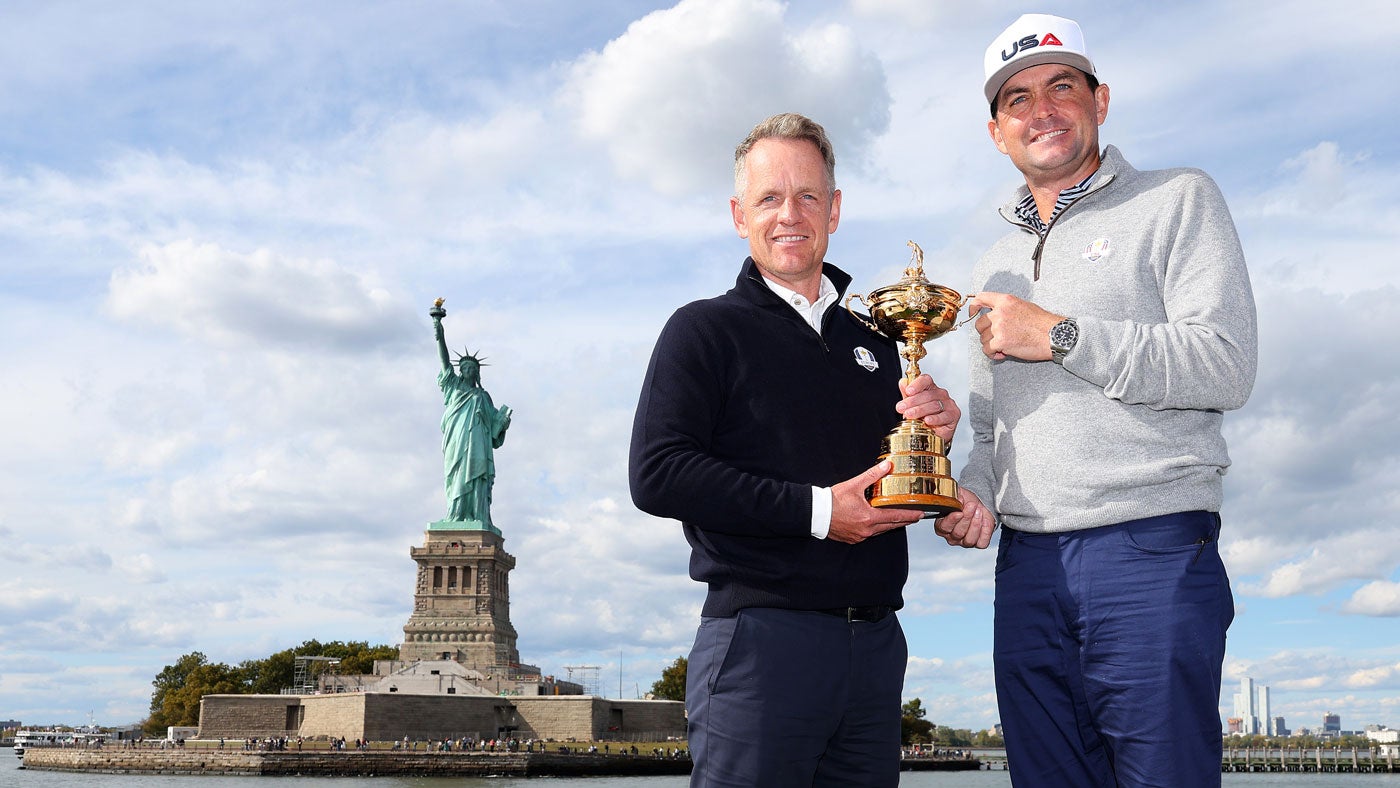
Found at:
(1314, 759)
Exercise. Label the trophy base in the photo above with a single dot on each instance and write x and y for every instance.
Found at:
(921, 477)
(936, 505)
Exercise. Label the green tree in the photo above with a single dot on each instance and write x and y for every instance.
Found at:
(913, 728)
(953, 737)
(269, 675)
(987, 739)
(277, 672)
(671, 685)
(363, 659)
(173, 677)
(180, 686)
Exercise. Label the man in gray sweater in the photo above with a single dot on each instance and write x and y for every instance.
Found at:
(1117, 325)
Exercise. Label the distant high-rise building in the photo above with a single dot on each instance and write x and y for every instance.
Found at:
(1331, 724)
(1279, 727)
(1265, 713)
(1234, 725)
(1245, 707)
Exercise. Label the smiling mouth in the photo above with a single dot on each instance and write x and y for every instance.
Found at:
(1048, 135)
(783, 239)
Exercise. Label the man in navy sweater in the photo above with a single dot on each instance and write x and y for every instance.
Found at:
(761, 412)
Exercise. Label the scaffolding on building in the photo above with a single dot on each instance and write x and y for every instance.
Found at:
(587, 677)
(304, 674)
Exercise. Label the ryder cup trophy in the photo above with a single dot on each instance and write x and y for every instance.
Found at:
(913, 311)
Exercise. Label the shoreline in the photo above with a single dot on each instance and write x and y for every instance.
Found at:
(329, 763)
(351, 763)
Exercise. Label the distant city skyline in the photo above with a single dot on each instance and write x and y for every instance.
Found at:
(1254, 715)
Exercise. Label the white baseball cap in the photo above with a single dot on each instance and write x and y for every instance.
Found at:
(1033, 40)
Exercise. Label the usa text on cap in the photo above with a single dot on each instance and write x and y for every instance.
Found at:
(1033, 40)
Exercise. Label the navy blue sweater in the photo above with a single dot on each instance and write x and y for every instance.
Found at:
(745, 408)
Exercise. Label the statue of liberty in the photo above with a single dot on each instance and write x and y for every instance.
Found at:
(472, 429)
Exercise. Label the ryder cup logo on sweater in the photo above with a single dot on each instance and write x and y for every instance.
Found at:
(866, 359)
(1097, 250)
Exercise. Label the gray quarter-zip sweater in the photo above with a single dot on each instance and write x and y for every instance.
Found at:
(1150, 265)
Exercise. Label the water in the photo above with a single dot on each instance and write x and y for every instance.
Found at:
(11, 776)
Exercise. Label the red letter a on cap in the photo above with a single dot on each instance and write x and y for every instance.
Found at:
(1050, 39)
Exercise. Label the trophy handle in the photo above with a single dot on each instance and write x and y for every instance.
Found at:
(969, 318)
(868, 323)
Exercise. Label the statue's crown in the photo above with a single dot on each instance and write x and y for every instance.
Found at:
(480, 362)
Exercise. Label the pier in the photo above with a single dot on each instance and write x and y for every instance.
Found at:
(1313, 760)
(113, 760)
(353, 763)
(349, 763)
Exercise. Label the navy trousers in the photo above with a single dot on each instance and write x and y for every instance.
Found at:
(1108, 645)
(779, 698)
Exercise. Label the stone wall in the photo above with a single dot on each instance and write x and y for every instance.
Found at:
(333, 716)
(562, 718)
(115, 760)
(600, 719)
(392, 716)
(243, 716)
(651, 719)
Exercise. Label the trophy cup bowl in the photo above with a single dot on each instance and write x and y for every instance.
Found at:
(913, 311)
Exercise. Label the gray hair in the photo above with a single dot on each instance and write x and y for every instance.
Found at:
(790, 126)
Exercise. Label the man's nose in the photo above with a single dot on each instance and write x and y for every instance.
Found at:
(788, 212)
(1042, 106)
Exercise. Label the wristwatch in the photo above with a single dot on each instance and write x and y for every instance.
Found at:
(1063, 335)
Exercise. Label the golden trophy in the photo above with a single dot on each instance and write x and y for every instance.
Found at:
(913, 311)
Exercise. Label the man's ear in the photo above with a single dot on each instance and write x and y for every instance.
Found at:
(741, 222)
(994, 131)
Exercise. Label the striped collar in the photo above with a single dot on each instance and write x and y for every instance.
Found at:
(1028, 213)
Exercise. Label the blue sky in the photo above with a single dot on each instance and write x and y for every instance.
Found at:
(221, 227)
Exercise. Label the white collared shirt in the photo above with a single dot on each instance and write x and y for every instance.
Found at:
(812, 312)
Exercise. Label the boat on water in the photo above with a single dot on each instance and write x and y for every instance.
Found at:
(85, 736)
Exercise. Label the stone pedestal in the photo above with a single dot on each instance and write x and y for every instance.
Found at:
(461, 605)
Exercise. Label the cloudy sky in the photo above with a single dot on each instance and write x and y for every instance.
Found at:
(221, 226)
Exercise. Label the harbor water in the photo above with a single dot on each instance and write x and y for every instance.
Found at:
(11, 776)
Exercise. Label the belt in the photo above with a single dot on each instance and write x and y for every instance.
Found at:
(869, 615)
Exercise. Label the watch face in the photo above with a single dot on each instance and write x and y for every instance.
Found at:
(1063, 335)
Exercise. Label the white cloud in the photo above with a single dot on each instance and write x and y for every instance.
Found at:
(1320, 223)
(256, 300)
(912, 13)
(1377, 598)
(143, 569)
(1347, 555)
(670, 98)
(923, 668)
(1383, 675)
(625, 579)
(944, 579)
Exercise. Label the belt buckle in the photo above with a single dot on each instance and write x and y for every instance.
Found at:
(864, 615)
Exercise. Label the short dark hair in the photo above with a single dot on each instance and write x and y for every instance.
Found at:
(1090, 78)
